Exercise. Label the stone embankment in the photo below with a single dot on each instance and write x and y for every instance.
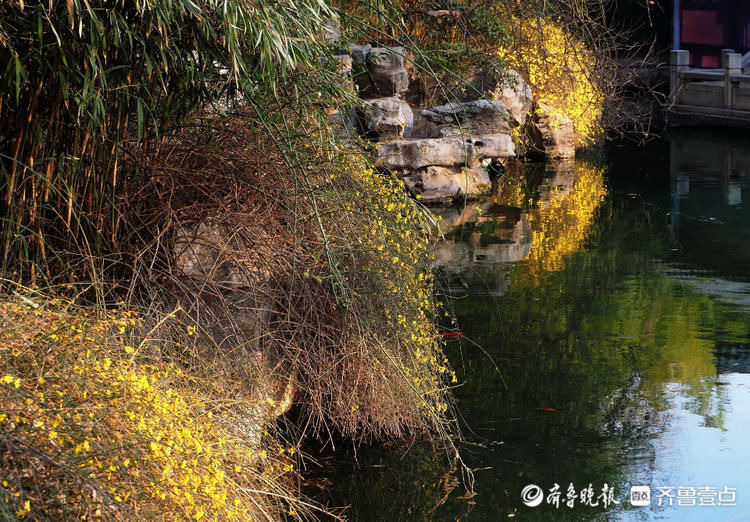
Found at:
(450, 150)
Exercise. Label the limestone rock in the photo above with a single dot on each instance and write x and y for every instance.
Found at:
(440, 183)
(360, 53)
(414, 154)
(494, 146)
(551, 133)
(474, 117)
(345, 63)
(516, 95)
(381, 73)
(387, 118)
(411, 154)
(332, 31)
(424, 128)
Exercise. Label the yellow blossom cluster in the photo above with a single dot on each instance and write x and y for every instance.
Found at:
(412, 311)
(394, 303)
(560, 70)
(92, 428)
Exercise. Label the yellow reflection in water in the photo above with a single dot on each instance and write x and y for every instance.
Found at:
(563, 217)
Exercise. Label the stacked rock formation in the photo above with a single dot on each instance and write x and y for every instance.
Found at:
(448, 151)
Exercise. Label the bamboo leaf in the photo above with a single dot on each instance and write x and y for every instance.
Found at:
(141, 118)
(71, 13)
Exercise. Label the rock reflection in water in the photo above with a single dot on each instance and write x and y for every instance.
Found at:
(478, 262)
(530, 217)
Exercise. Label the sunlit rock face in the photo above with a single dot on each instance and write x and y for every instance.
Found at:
(441, 183)
(446, 152)
(418, 153)
(472, 118)
(415, 154)
(386, 118)
(551, 133)
(516, 95)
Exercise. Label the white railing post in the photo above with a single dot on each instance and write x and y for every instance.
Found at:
(731, 62)
(679, 60)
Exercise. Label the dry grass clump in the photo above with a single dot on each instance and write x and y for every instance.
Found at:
(306, 258)
(95, 426)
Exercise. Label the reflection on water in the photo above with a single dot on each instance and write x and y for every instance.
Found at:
(539, 220)
(615, 346)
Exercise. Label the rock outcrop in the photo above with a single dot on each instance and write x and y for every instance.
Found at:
(387, 118)
(441, 183)
(412, 154)
(551, 133)
(448, 150)
(494, 146)
(472, 118)
(516, 95)
(379, 71)
(417, 153)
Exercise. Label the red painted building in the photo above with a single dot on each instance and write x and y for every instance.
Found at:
(708, 26)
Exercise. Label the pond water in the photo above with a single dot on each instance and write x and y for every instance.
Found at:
(606, 306)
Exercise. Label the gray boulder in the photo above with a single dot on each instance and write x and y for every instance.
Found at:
(414, 154)
(516, 96)
(360, 53)
(441, 183)
(331, 31)
(494, 146)
(474, 117)
(380, 71)
(389, 118)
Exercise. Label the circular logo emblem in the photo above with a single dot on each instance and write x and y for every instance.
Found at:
(532, 495)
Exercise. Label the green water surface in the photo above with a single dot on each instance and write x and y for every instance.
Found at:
(607, 342)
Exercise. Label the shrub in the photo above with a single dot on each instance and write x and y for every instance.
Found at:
(85, 85)
(343, 298)
(93, 425)
(561, 71)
